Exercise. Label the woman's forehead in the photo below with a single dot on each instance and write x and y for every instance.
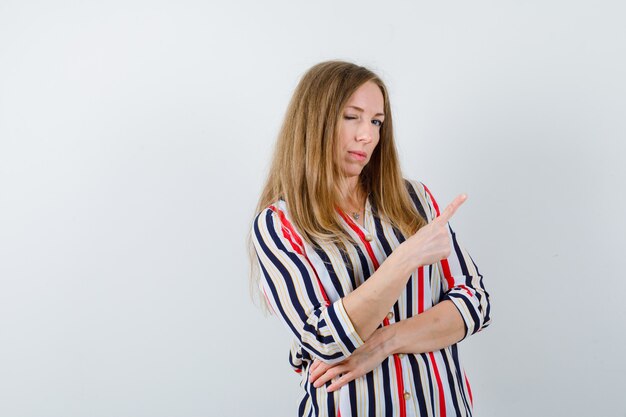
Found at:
(368, 98)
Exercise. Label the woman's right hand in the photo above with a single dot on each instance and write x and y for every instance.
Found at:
(431, 243)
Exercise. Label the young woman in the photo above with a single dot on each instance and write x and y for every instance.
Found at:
(359, 263)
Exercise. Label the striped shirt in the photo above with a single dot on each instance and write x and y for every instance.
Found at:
(304, 286)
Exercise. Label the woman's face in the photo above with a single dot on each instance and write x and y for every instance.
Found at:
(359, 128)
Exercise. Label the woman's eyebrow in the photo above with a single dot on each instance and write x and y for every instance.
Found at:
(361, 110)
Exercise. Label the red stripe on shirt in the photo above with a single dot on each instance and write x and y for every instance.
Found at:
(467, 290)
(288, 231)
(446, 273)
(469, 390)
(400, 381)
(432, 199)
(420, 290)
(442, 399)
(444, 262)
(297, 245)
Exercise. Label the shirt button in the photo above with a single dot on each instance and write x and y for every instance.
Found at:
(368, 238)
(407, 395)
(390, 315)
(400, 355)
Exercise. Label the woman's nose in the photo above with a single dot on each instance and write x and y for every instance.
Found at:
(365, 132)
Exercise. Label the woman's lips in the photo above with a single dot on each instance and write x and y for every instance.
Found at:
(359, 156)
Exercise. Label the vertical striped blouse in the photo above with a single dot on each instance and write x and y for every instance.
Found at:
(304, 286)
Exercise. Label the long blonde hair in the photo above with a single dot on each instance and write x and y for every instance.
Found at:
(304, 170)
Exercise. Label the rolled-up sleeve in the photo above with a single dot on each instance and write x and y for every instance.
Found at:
(296, 295)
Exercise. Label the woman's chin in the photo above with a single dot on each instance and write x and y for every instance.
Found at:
(353, 170)
(352, 173)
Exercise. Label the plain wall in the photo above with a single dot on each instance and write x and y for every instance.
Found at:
(134, 141)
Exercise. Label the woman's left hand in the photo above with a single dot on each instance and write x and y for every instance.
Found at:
(367, 357)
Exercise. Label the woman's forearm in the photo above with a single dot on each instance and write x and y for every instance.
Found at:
(368, 305)
(434, 329)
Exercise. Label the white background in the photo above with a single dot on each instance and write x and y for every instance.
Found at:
(134, 141)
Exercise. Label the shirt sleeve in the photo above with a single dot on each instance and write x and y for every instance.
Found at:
(462, 283)
(296, 295)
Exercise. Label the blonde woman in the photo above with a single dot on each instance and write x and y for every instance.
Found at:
(359, 263)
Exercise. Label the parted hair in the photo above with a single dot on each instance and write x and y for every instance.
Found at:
(306, 174)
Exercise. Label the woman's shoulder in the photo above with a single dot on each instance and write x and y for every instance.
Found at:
(270, 208)
(273, 215)
(273, 224)
(276, 207)
(422, 198)
(413, 184)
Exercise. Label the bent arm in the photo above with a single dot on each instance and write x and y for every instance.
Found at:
(371, 301)
(295, 294)
(463, 310)
(438, 327)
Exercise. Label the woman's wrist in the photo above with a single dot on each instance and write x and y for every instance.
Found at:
(405, 259)
(391, 345)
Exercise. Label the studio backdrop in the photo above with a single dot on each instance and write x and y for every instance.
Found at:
(135, 138)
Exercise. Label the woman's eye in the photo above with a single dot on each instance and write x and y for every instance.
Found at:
(349, 117)
(377, 122)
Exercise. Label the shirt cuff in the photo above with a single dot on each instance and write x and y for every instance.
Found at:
(467, 309)
(341, 327)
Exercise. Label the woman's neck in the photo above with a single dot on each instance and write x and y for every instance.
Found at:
(354, 195)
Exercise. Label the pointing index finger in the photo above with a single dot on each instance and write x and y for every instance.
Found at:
(447, 214)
